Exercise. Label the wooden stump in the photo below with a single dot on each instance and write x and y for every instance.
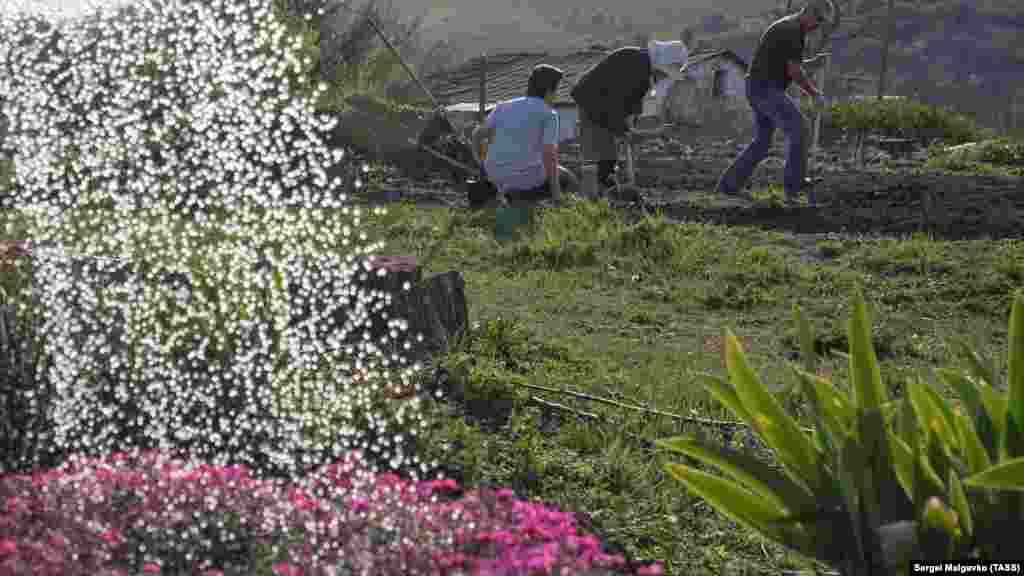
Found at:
(387, 280)
(435, 309)
(438, 310)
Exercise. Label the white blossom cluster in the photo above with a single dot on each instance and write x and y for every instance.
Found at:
(189, 250)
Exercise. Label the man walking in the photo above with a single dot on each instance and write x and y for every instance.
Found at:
(519, 141)
(776, 64)
(609, 97)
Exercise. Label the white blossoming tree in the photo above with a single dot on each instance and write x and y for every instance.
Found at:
(198, 273)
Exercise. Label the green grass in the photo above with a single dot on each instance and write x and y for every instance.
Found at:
(967, 166)
(1002, 156)
(584, 302)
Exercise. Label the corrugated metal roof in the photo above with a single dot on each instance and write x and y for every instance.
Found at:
(507, 75)
(705, 56)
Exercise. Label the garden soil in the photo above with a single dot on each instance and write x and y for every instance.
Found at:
(882, 197)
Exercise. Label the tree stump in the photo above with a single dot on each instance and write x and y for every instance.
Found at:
(387, 280)
(435, 310)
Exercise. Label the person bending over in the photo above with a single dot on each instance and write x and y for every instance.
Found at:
(519, 141)
(776, 64)
(609, 97)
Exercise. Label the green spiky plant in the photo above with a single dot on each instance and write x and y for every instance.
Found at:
(984, 437)
(877, 483)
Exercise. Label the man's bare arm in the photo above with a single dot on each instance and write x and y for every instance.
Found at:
(480, 135)
(551, 169)
(796, 74)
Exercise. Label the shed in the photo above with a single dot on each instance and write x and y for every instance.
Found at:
(711, 93)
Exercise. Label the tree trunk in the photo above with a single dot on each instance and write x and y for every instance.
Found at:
(884, 65)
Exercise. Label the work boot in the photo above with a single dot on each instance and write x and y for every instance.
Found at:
(809, 184)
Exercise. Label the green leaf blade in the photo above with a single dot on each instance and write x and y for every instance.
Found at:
(806, 336)
(1008, 475)
(864, 370)
(782, 434)
(740, 505)
(788, 496)
(1014, 433)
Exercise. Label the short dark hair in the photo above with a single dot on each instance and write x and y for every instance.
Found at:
(817, 9)
(543, 79)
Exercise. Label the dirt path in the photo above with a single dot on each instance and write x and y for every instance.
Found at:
(947, 206)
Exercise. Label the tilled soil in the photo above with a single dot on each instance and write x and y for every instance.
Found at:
(676, 179)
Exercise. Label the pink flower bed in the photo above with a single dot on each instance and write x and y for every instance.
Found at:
(150, 513)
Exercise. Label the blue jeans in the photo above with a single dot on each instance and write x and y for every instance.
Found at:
(771, 107)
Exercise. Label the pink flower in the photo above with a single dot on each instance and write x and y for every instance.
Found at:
(213, 573)
(505, 493)
(450, 560)
(286, 569)
(651, 570)
(360, 505)
(8, 547)
(112, 536)
(15, 505)
(387, 480)
(446, 484)
(151, 568)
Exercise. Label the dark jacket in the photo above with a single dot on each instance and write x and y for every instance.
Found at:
(614, 88)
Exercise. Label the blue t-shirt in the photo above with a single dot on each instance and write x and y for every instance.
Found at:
(515, 157)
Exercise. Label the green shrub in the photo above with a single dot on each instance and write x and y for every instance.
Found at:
(904, 118)
(7, 176)
(1004, 151)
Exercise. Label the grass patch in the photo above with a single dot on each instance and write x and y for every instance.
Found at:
(633, 313)
(960, 165)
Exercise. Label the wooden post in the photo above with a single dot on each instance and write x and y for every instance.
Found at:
(1013, 109)
(483, 87)
(883, 70)
(822, 79)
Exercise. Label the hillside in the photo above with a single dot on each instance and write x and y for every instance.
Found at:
(476, 27)
(951, 52)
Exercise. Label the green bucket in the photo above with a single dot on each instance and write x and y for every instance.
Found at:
(509, 220)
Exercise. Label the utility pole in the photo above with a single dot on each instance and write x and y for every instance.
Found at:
(483, 87)
(890, 23)
(822, 82)
(1013, 107)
